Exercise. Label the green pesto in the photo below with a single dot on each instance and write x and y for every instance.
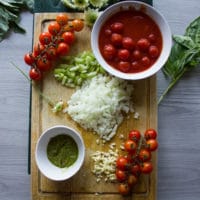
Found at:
(62, 150)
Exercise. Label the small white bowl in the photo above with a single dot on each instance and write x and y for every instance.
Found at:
(158, 19)
(44, 164)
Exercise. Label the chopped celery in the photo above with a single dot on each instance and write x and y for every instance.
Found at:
(77, 69)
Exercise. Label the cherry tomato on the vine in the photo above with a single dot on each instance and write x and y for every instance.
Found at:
(54, 28)
(135, 169)
(134, 135)
(130, 146)
(35, 74)
(68, 37)
(146, 167)
(62, 19)
(77, 24)
(51, 53)
(124, 189)
(122, 163)
(132, 179)
(152, 144)
(120, 175)
(144, 155)
(45, 38)
(150, 134)
(62, 49)
(38, 49)
(29, 58)
(43, 64)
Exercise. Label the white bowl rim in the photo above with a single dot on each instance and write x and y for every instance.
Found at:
(81, 156)
(132, 76)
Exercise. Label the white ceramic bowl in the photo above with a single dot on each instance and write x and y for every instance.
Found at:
(45, 166)
(158, 19)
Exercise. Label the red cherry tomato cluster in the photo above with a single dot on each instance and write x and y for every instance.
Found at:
(52, 44)
(128, 54)
(137, 159)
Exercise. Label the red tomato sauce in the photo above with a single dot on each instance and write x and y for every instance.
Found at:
(130, 41)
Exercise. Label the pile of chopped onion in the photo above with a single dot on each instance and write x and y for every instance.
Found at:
(100, 104)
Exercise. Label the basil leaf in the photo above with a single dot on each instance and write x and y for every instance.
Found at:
(17, 28)
(185, 41)
(10, 15)
(193, 31)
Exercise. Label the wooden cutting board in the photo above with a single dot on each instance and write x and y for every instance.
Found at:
(84, 186)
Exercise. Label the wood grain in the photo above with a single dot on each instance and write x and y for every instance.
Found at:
(42, 118)
(178, 116)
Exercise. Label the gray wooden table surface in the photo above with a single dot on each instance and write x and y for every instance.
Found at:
(178, 116)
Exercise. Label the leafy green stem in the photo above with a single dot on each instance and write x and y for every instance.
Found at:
(34, 85)
(171, 84)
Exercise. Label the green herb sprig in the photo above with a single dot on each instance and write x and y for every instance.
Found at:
(184, 56)
(91, 8)
(10, 15)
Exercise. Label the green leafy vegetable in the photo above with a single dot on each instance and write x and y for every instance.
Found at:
(10, 15)
(91, 8)
(184, 56)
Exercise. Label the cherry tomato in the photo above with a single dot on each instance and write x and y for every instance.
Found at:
(123, 54)
(152, 144)
(62, 19)
(116, 39)
(136, 54)
(144, 155)
(117, 27)
(128, 43)
(150, 134)
(152, 37)
(124, 189)
(38, 49)
(124, 66)
(109, 51)
(122, 163)
(77, 24)
(132, 179)
(68, 37)
(130, 146)
(134, 135)
(153, 51)
(35, 74)
(130, 157)
(135, 65)
(143, 44)
(29, 58)
(120, 175)
(43, 64)
(51, 53)
(146, 167)
(45, 38)
(135, 170)
(108, 32)
(54, 28)
(145, 61)
(62, 49)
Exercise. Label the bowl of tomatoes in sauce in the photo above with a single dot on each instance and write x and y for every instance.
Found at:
(131, 40)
